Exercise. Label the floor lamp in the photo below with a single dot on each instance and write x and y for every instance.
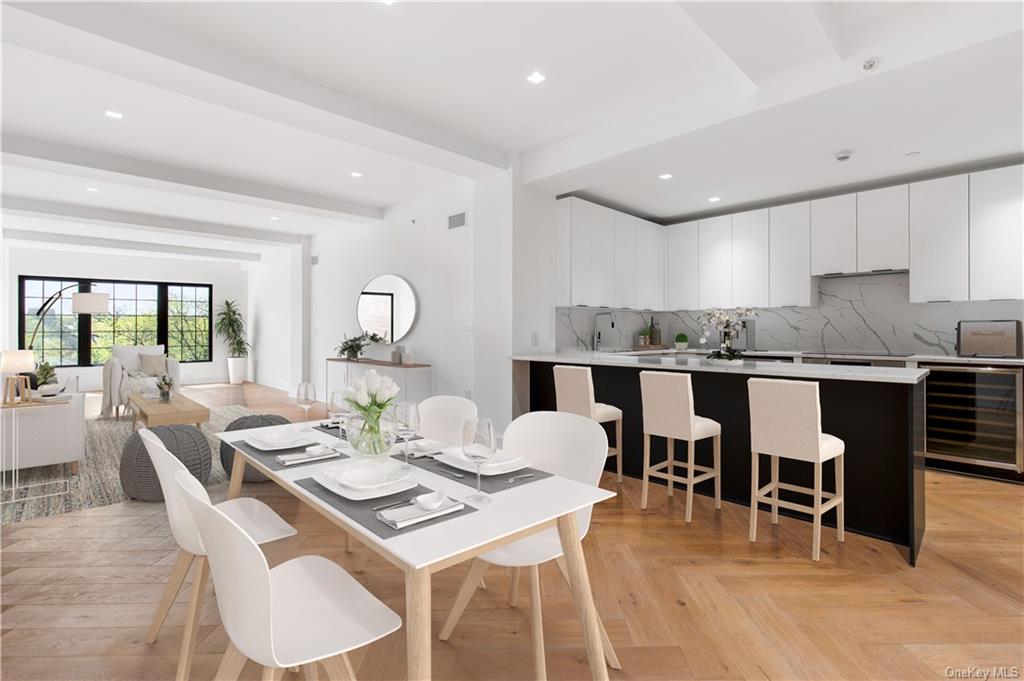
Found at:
(19, 361)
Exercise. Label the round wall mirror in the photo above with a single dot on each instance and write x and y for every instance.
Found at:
(387, 307)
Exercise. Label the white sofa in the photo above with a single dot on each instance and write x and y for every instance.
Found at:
(122, 377)
(43, 436)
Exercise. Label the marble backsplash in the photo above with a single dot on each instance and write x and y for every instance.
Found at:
(863, 314)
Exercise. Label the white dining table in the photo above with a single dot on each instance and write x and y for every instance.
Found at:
(420, 552)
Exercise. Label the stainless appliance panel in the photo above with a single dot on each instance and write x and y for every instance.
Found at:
(990, 338)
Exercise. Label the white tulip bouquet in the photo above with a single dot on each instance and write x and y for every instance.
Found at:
(370, 397)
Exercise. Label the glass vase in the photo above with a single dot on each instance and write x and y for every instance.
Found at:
(369, 435)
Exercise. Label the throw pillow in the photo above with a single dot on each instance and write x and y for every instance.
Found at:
(153, 365)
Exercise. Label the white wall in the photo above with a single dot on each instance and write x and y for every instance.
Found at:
(534, 270)
(227, 278)
(271, 322)
(413, 241)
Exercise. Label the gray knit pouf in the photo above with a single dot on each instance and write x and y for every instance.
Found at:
(227, 452)
(138, 477)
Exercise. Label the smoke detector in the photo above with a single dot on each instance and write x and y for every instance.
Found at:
(843, 155)
(870, 64)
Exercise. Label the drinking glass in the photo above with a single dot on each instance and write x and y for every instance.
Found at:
(478, 445)
(407, 424)
(305, 395)
(337, 407)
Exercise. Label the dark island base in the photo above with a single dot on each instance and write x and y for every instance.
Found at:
(882, 425)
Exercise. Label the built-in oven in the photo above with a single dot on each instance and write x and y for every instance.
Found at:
(974, 415)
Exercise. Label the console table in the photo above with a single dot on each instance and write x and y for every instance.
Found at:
(413, 379)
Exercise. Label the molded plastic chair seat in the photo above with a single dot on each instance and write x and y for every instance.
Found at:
(257, 519)
(443, 416)
(533, 550)
(830, 446)
(320, 610)
(605, 413)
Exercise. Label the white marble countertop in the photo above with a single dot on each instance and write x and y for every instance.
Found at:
(797, 355)
(681, 362)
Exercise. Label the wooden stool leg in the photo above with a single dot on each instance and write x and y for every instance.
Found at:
(174, 582)
(775, 490)
(195, 605)
(670, 448)
(513, 588)
(609, 652)
(476, 570)
(753, 496)
(841, 493)
(691, 446)
(231, 664)
(540, 671)
(718, 471)
(647, 466)
(816, 539)
(618, 451)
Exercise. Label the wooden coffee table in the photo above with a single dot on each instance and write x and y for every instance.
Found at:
(150, 411)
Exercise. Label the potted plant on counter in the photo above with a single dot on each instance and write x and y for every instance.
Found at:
(351, 348)
(682, 341)
(231, 327)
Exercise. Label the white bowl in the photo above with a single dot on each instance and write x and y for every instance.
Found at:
(431, 500)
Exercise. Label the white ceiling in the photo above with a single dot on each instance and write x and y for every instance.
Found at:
(236, 112)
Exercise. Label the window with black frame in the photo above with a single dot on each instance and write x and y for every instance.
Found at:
(175, 315)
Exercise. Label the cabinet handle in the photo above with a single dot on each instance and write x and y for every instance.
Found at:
(938, 301)
(884, 269)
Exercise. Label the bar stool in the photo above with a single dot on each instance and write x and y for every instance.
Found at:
(574, 393)
(785, 420)
(668, 412)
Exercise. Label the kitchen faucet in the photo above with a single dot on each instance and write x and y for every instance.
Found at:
(597, 334)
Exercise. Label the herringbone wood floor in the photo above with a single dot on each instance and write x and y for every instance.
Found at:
(679, 601)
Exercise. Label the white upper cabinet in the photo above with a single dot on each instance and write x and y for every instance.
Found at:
(593, 254)
(789, 257)
(834, 235)
(683, 266)
(715, 245)
(650, 265)
(750, 258)
(997, 234)
(624, 280)
(882, 229)
(939, 240)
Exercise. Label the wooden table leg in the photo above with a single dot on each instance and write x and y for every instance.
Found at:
(569, 533)
(237, 473)
(417, 624)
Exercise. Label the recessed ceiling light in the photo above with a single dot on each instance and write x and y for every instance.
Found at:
(536, 77)
(665, 176)
(274, 217)
(388, 2)
(356, 174)
(227, 242)
(114, 114)
(714, 199)
(91, 189)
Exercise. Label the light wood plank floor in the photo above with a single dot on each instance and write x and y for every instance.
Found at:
(679, 601)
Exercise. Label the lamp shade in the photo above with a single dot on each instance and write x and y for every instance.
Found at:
(90, 303)
(16, 361)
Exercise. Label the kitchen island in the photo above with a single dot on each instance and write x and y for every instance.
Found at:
(877, 411)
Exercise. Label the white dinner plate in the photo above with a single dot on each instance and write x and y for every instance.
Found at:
(272, 442)
(500, 463)
(361, 494)
(367, 474)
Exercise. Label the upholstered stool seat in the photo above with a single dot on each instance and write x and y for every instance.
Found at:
(785, 421)
(574, 393)
(669, 413)
(187, 443)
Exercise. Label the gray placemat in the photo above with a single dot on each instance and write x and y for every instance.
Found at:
(269, 459)
(488, 483)
(338, 432)
(359, 511)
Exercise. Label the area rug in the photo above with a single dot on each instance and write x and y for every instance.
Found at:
(98, 482)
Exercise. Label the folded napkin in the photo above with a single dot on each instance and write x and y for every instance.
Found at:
(314, 453)
(404, 516)
(424, 447)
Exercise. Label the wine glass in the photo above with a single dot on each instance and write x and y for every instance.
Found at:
(407, 423)
(478, 446)
(337, 407)
(305, 395)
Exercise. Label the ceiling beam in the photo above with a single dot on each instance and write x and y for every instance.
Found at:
(105, 38)
(72, 212)
(29, 152)
(72, 240)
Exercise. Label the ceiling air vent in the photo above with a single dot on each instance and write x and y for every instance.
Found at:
(457, 220)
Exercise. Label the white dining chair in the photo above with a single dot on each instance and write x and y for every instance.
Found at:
(255, 517)
(785, 421)
(667, 398)
(574, 393)
(305, 611)
(443, 416)
(568, 445)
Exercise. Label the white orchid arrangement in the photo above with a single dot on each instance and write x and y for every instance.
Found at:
(726, 321)
(372, 395)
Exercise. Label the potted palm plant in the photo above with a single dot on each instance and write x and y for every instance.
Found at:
(231, 327)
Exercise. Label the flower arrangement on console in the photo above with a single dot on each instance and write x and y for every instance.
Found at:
(728, 323)
(370, 397)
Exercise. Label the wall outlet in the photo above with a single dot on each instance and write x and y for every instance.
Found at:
(534, 339)
(469, 394)
(469, 329)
